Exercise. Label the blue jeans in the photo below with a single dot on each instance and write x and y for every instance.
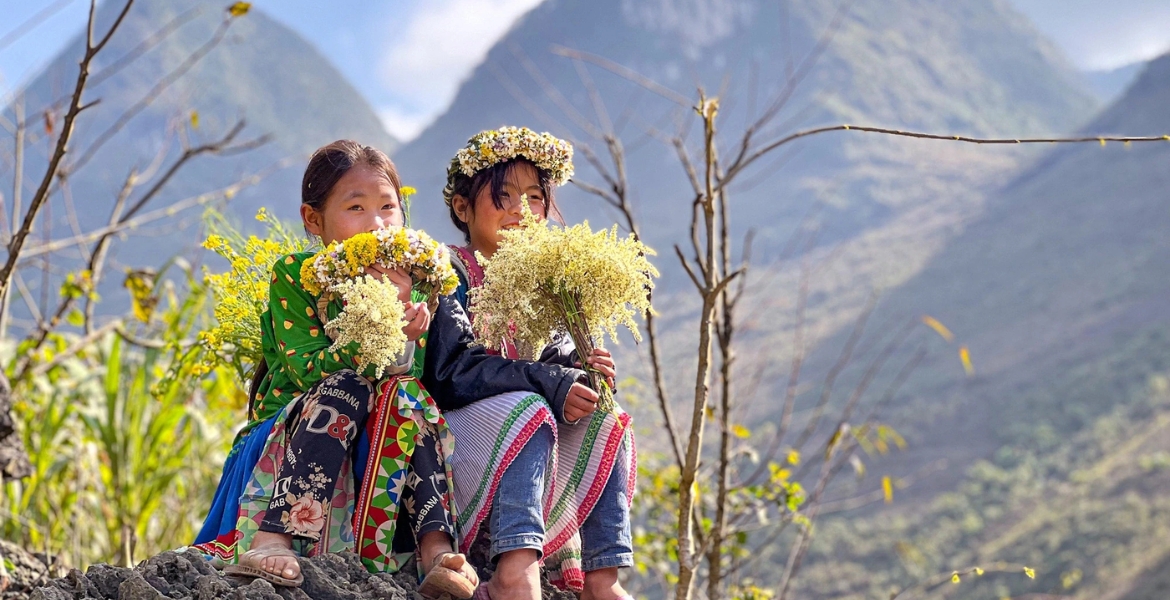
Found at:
(517, 521)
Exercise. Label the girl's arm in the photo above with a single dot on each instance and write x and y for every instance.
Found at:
(458, 372)
(303, 348)
(561, 352)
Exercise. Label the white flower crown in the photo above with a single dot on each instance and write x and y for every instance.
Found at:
(489, 148)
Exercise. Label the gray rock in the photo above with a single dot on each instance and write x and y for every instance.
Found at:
(13, 457)
(187, 576)
(135, 587)
(107, 579)
(24, 572)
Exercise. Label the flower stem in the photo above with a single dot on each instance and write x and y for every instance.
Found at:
(579, 330)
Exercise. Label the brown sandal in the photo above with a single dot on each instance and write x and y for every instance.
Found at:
(249, 566)
(442, 580)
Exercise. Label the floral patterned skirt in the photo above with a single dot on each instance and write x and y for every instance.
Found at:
(366, 496)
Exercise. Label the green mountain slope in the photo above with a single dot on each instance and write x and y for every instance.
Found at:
(1061, 437)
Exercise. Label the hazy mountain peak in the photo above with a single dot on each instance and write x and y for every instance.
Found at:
(261, 72)
(697, 23)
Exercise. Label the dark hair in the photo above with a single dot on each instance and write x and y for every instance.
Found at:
(328, 165)
(495, 176)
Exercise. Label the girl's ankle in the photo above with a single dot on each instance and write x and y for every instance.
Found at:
(270, 538)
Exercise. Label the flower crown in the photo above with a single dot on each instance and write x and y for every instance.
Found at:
(489, 148)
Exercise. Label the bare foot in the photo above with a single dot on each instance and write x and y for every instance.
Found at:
(283, 565)
(603, 584)
(517, 576)
(459, 564)
(436, 550)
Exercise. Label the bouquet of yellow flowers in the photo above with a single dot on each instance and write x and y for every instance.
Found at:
(372, 315)
(545, 279)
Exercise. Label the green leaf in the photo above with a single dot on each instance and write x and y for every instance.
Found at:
(75, 318)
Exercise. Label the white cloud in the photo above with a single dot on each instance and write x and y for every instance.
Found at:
(1103, 35)
(441, 44)
(404, 126)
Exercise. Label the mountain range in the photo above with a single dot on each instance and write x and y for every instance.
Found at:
(1057, 446)
(1044, 262)
(258, 71)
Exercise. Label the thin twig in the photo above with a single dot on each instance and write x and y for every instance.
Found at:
(1101, 139)
(842, 360)
(159, 87)
(947, 577)
(97, 255)
(75, 107)
(551, 91)
(127, 59)
(81, 344)
(625, 73)
(853, 503)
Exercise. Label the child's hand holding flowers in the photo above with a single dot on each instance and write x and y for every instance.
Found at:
(543, 279)
(417, 314)
(581, 400)
(373, 275)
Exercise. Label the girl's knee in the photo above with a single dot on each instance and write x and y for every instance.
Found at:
(345, 391)
(543, 438)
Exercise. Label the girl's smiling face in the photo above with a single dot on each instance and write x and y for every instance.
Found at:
(485, 220)
(362, 200)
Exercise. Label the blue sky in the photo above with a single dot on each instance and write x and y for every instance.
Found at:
(409, 56)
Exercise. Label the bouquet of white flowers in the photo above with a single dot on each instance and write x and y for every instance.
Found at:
(372, 315)
(544, 279)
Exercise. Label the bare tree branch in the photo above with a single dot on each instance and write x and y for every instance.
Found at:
(842, 360)
(142, 48)
(146, 45)
(853, 503)
(687, 267)
(154, 215)
(625, 73)
(1101, 139)
(945, 578)
(73, 349)
(98, 253)
(18, 240)
(551, 91)
(156, 91)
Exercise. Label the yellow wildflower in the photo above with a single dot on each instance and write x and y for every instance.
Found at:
(241, 293)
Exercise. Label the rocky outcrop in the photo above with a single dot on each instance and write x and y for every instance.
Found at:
(188, 576)
(13, 458)
(21, 571)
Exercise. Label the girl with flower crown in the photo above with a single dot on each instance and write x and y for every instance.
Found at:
(538, 481)
(333, 451)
